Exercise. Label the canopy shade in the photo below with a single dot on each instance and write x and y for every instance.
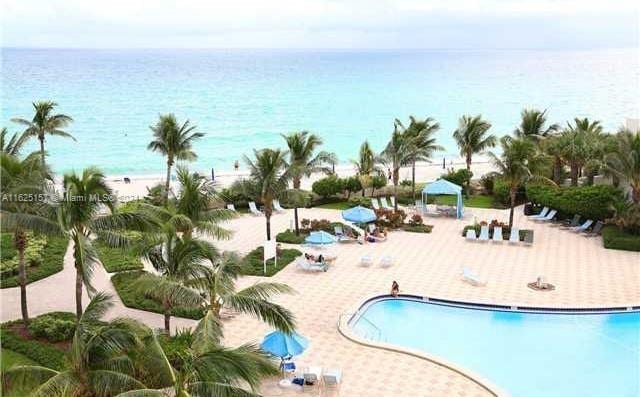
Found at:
(359, 214)
(442, 186)
(320, 238)
(284, 345)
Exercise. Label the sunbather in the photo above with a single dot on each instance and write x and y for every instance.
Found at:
(395, 289)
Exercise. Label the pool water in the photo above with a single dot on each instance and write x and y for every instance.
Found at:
(524, 354)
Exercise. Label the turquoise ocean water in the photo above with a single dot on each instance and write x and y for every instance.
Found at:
(243, 99)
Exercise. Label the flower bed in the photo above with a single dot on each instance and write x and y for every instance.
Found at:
(44, 256)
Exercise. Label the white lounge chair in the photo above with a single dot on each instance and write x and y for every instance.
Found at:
(371, 227)
(374, 203)
(342, 237)
(312, 376)
(304, 264)
(231, 207)
(549, 217)
(471, 235)
(514, 237)
(579, 229)
(484, 233)
(385, 204)
(542, 213)
(392, 200)
(386, 261)
(497, 234)
(277, 206)
(472, 278)
(366, 261)
(254, 210)
(331, 379)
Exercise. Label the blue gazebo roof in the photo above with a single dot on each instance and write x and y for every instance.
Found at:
(443, 186)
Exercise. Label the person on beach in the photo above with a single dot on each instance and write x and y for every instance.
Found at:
(395, 289)
(236, 165)
(213, 175)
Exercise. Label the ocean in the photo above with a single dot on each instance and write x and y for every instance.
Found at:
(244, 99)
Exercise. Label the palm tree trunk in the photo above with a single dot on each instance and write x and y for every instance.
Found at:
(167, 322)
(78, 293)
(42, 151)
(21, 244)
(413, 180)
(166, 184)
(557, 170)
(296, 183)
(396, 176)
(574, 175)
(635, 194)
(295, 216)
(468, 161)
(512, 195)
(268, 218)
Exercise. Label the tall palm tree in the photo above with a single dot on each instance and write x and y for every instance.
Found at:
(533, 124)
(86, 210)
(577, 145)
(471, 137)
(98, 362)
(24, 177)
(303, 160)
(422, 133)
(298, 198)
(14, 145)
(519, 163)
(366, 166)
(399, 152)
(624, 161)
(173, 140)
(45, 123)
(271, 174)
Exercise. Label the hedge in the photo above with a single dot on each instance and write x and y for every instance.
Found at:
(123, 283)
(506, 232)
(591, 202)
(290, 237)
(417, 228)
(615, 238)
(52, 261)
(43, 353)
(117, 259)
(54, 326)
(252, 263)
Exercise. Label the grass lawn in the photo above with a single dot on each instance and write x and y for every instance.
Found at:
(252, 264)
(477, 201)
(339, 205)
(117, 259)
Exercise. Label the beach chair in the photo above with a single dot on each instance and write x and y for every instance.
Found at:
(331, 379)
(549, 217)
(386, 261)
(472, 278)
(385, 204)
(374, 203)
(579, 229)
(288, 367)
(514, 237)
(312, 376)
(342, 238)
(371, 227)
(254, 210)
(304, 264)
(497, 234)
(366, 261)
(596, 231)
(471, 235)
(542, 213)
(277, 206)
(231, 207)
(575, 221)
(484, 233)
(392, 200)
(528, 238)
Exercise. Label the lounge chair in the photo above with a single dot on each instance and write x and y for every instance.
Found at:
(392, 201)
(366, 261)
(541, 214)
(231, 207)
(385, 204)
(312, 376)
(277, 206)
(471, 235)
(254, 210)
(342, 237)
(472, 278)
(484, 233)
(331, 379)
(497, 234)
(304, 264)
(596, 231)
(374, 203)
(575, 221)
(549, 217)
(579, 229)
(514, 237)
(371, 227)
(386, 261)
(528, 237)
(288, 367)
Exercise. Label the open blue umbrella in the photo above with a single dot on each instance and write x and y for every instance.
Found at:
(359, 214)
(320, 238)
(284, 345)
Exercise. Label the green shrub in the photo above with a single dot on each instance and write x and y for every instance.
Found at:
(33, 256)
(51, 261)
(460, 177)
(252, 263)
(117, 259)
(7, 250)
(417, 228)
(54, 327)
(488, 181)
(592, 202)
(615, 238)
(501, 191)
(123, 283)
(290, 237)
(360, 201)
(174, 346)
(405, 182)
(240, 193)
(378, 182)
(351, 184)
(43, 353)
(328, 186)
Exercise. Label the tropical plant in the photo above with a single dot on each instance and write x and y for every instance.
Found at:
(45, 123)
(624, 161)
(366, 167)
(270, 173)
(421, 132)
(99, 363)
(14, 145)
(519, 163)
(303, 161)
(81, 217)
(533, 124)
(297, 198)
(471, 137)
(24, 178)
(399, 152)
(579, 143)
(173, 140)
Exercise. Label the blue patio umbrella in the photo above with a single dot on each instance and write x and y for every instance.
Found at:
(359, 214)
(320, 238)
(284, 345)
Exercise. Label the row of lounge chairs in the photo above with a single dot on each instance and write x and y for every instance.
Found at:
(315, 377)
(548, 215)
(254, 209)
(514, 236)
(383, 204)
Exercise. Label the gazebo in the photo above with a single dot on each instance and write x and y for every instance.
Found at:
(442, 186)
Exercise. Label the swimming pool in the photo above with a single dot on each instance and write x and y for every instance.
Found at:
(525, 354)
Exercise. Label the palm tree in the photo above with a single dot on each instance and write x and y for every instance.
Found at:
(422, 133)
(220, 284)
(533, 125)
(624, 161)
(81, 217)
(577, 145)
(399, 152)
(20, 216)
(45, 123)
(14, 145)
(471, 137)
(519, 162)
(298, 198)
(271, 174)
(302, 158)
(366, 165)
(98, 361)
(174, 141)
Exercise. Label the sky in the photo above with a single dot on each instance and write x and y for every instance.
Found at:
(384, 24)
